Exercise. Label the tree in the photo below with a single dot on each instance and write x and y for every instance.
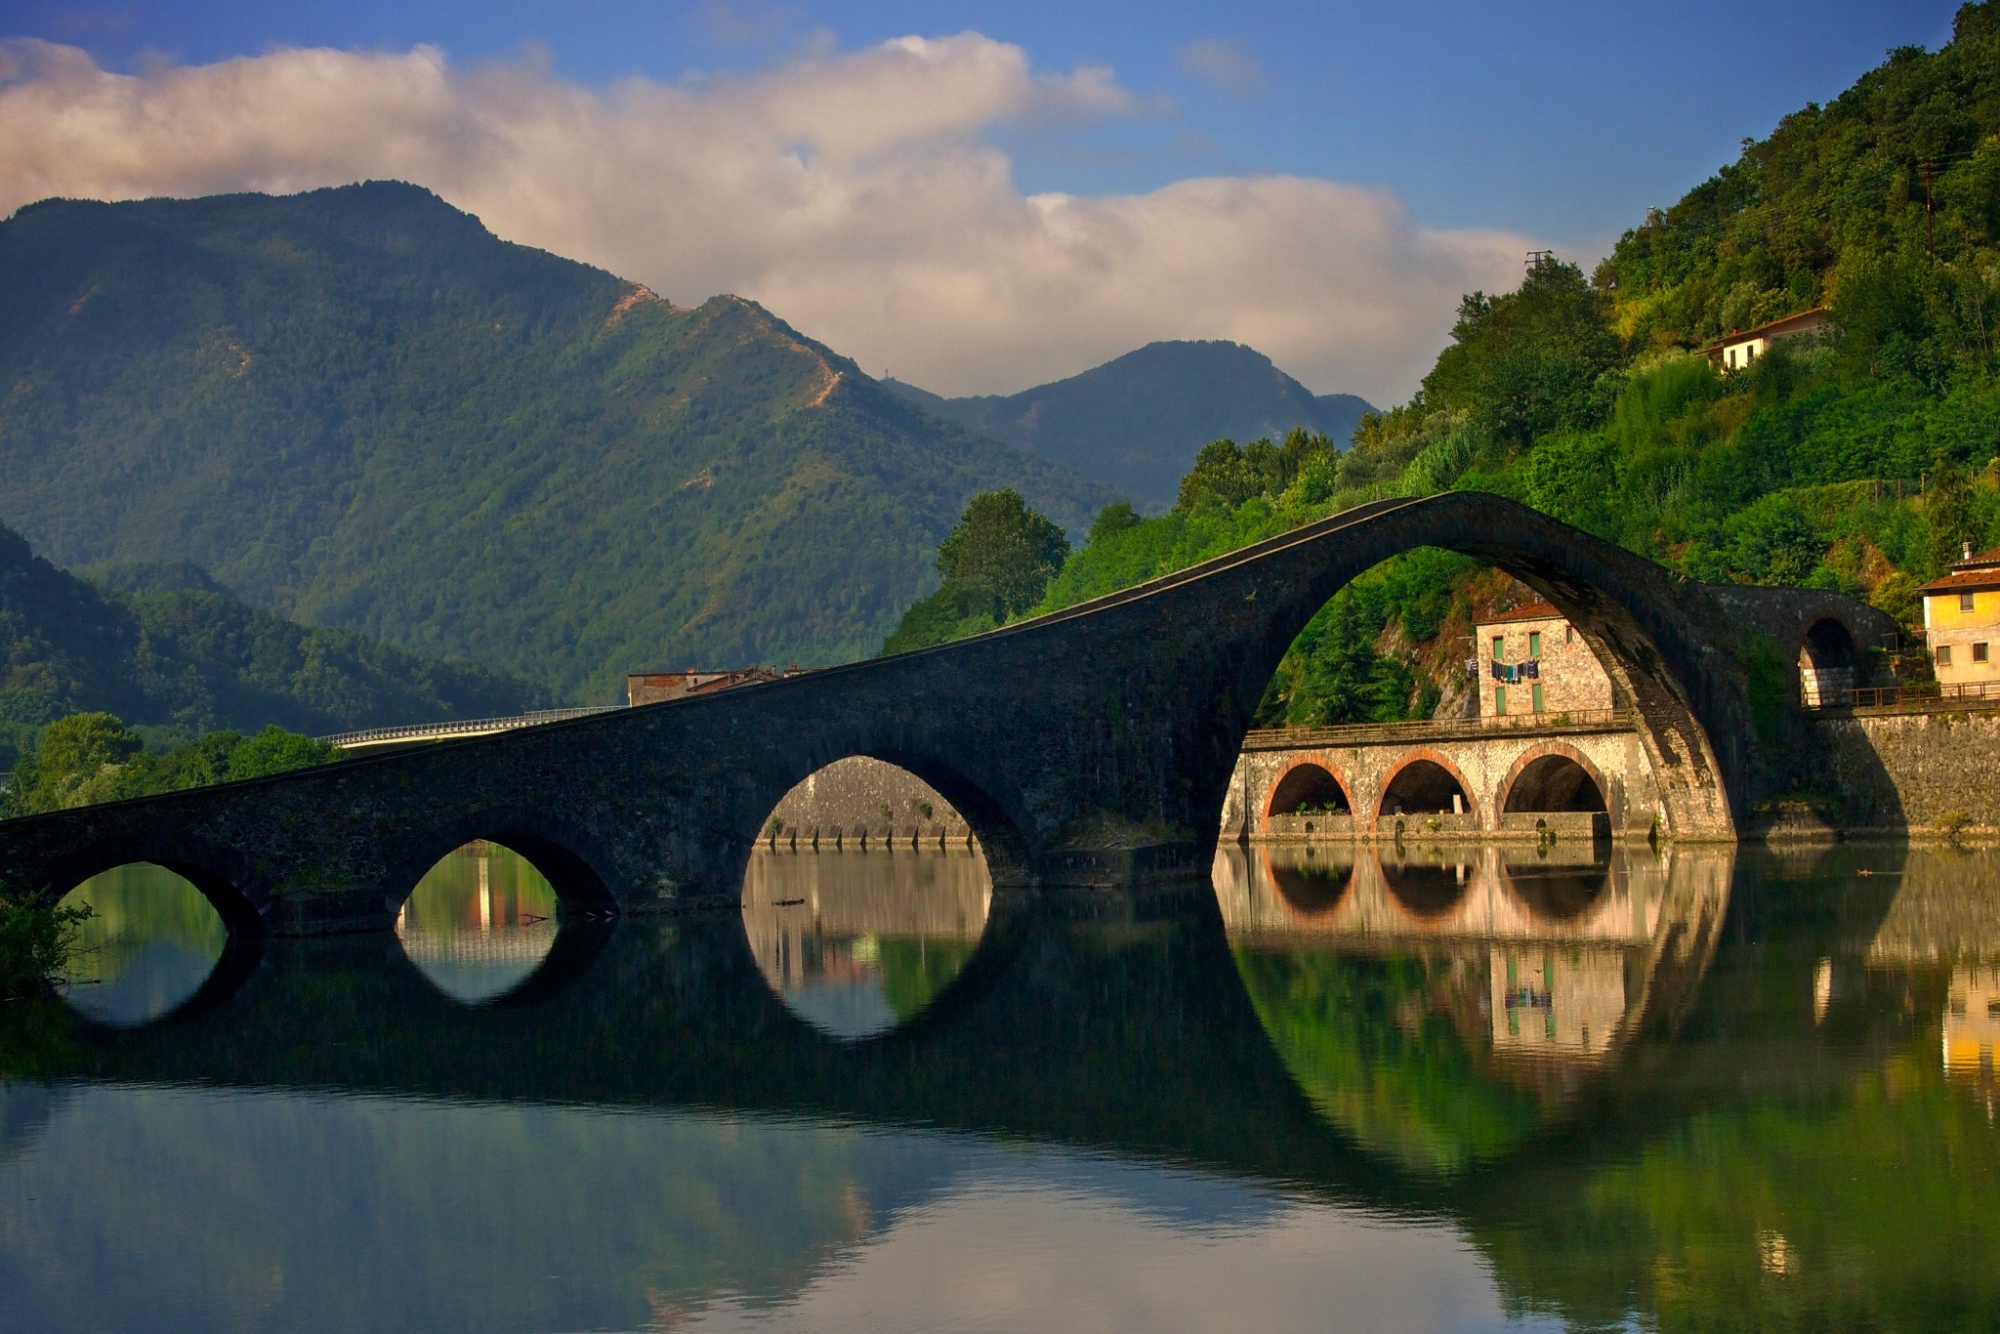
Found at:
(69, 754)
(996, 562)
(1527, 363)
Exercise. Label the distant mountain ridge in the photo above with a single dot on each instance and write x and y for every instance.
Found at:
(358, 408)
(1137, 422)
(190, 661)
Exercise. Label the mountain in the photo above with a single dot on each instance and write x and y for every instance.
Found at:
(186, 661)
(1136, 423)
(358, 408)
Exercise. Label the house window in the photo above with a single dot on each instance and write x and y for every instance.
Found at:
(1499, 648)
(1534, 643)
(1979, 653)
(1536, 695)
(1965, 602)
(1500, 700)
(1944, 655)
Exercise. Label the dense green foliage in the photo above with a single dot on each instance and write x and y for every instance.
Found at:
(1136, 422)
(995, 563)
(36, 943)
(358, 408)
(1859, 459)
(92, 757)
(179, 663)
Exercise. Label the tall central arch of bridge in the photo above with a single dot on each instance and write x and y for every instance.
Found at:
(1089, 749)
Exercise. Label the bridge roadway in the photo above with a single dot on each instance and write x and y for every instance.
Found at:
(1090, 750)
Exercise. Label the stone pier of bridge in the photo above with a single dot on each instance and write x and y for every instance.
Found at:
(1529, 777)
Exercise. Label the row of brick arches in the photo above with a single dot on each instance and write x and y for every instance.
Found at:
(1551, 777)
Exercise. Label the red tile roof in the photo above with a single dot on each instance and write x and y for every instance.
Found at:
(1964, 581)
(1534, 611)
(1802, 322)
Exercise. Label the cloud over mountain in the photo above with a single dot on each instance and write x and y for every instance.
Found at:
(857, 193)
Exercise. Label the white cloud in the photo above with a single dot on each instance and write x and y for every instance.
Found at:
(857, 194)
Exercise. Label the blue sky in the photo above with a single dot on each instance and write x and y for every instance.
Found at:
(1561, 119)
(1036, 189)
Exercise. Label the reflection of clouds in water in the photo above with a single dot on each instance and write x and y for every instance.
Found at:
(151, 941)
(564, 1217)
(1005, 1255)
(479, 923)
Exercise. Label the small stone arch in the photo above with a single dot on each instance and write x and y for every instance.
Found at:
(561, 852)
(1409, 764)
(1307, 778)
(218, 873)
(1532, 780)
(1829, 662)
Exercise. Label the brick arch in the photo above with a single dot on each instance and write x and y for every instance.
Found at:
(1415, 755)
(1317, 761)
(1542, 750)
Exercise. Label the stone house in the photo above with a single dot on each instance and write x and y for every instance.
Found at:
(1962, 620)
(1532, 660)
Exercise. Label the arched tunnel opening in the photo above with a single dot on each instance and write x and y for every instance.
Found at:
(1308, 789)
(1554, 783)
(1829, 664)
(1425, 787)
(867, 894)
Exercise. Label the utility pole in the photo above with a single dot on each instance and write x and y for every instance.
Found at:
(1930, 226)
(1537, 256)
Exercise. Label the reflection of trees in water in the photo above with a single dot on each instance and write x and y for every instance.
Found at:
(150, 942)
(1380, 1046)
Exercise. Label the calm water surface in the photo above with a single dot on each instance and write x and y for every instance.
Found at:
(1434, 1089)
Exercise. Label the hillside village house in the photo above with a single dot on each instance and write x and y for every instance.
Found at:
(1962, 620)
(1532, 660)
(1744, 346)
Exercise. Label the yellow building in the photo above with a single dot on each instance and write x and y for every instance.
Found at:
(1962, 620)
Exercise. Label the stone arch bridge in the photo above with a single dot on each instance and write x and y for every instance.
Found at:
(1090, 749)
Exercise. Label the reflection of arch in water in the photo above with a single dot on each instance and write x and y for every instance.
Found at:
(1312, 881)
(1428, 891)
(1554, 890)
(858, 942)
(480, 923)
(1310, 785)
(152, 946)
(1425, 782)
(1553, 776)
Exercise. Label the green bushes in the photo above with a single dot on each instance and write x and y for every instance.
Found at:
(37, 942)
(92, 757)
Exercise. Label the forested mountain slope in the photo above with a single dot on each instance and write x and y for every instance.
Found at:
(358, 408)
(186, 661)
(1861, 459)
(1136, 422)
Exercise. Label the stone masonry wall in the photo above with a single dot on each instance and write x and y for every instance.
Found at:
(1921, 773)
(861, 796)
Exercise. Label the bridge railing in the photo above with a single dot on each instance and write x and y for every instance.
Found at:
(1348, 734)
(1917, 698)
(460, 726)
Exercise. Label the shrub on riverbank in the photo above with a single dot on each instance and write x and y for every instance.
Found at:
(37, 942)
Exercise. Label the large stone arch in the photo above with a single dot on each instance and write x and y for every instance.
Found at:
(226, 877)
